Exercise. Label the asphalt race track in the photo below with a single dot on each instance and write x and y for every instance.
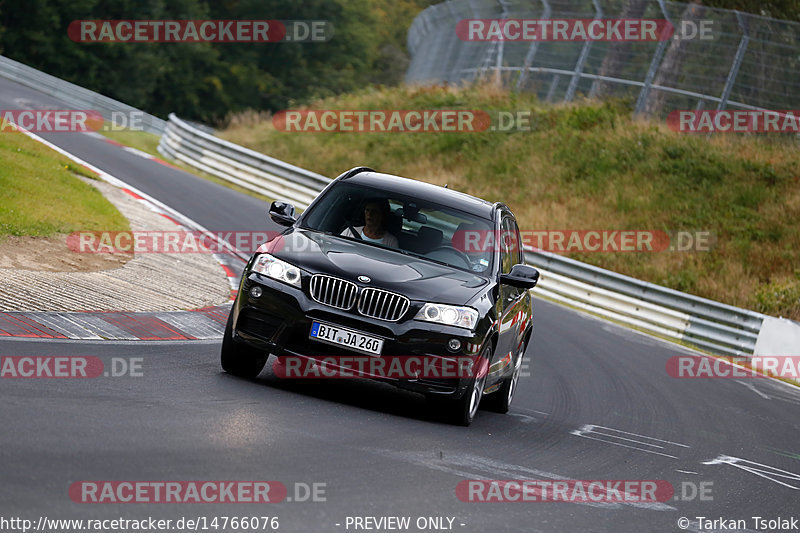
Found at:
(596, 404)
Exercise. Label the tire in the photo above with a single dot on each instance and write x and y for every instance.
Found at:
(462, 412)
(500, 400)
(237, 359)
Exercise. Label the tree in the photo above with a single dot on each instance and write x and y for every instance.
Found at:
(208, 81)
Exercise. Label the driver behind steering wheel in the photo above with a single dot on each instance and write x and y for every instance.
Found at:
(376, 214)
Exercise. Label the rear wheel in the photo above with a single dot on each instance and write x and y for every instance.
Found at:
(237, 358)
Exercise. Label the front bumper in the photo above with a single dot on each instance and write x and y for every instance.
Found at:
(279, 322)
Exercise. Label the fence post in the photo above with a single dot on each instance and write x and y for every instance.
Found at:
(478, 74)
(552, 90)
(501, 46)
(453, 38)
(523, 75)
(737, 61)
(576, 76)
(651, 72)
(457, 71)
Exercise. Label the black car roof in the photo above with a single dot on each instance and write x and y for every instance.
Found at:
(425, 191)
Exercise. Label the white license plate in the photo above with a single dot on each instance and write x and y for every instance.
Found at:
(346, 337)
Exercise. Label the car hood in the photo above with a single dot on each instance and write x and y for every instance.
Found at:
(416, 278)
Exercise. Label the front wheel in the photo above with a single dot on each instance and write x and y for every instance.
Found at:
(238, 359)
(462, 412)
(500, 401)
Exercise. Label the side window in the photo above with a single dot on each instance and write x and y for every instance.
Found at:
(508, 253)
(520, 251)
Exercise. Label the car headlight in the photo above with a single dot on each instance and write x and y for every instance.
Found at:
(276, 269)
(450, 315)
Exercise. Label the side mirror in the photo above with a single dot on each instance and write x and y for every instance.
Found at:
(282, 213)
(521, 276)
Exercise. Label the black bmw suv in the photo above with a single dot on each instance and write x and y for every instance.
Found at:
(383, 268)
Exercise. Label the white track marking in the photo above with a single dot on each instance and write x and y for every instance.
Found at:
(588, 431)
(642, 436)
(761, 470)
(525, 419)
(98, 326)
(198, 325)
(61, 322)
(134, 151)
(625, 446)
(753, 388)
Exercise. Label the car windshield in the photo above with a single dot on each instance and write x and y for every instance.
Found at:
(406, 224)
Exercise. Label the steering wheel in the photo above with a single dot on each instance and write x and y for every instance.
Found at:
(453, 252)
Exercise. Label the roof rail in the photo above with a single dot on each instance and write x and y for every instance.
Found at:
(353, 171)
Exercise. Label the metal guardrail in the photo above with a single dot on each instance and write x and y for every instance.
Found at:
(75, 95)
(712, 326)
(750, 62)
(709, 325)
(244, 167)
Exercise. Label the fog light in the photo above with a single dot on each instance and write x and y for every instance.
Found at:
(454, 345)
(256, 292)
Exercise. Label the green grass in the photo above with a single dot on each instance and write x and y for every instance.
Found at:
(589, 165)
(40, 195)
